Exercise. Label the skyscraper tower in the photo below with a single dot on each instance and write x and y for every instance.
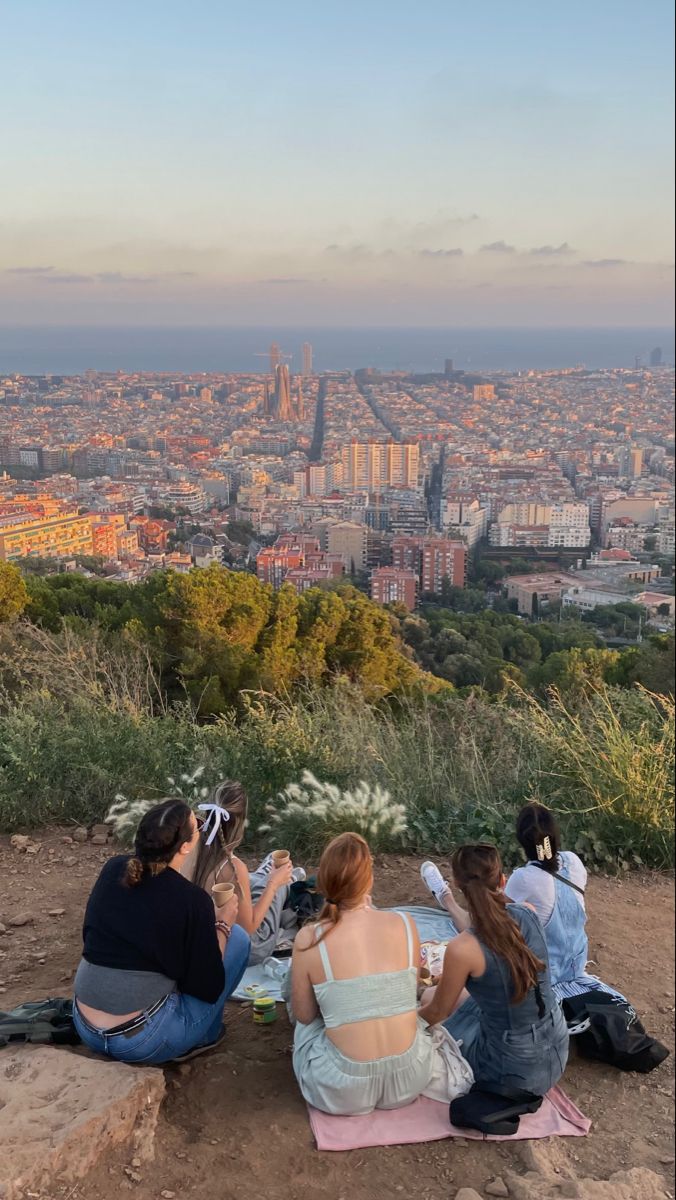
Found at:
(266, 398)
(656, 357)
(275, 357)
(283, 408)
(300, 406)
(307, 358)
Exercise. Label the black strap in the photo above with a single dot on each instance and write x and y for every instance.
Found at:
(569, 883)
(557, 875)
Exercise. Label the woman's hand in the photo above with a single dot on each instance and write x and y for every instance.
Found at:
(228, 912)
(281, 876)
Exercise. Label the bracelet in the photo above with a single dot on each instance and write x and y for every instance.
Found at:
(223, 927)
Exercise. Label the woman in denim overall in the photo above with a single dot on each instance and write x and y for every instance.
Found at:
(520, 1039)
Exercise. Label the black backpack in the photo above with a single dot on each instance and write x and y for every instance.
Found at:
(305, 900)
(612, 1033)
(41, 1022)
(491, 1108)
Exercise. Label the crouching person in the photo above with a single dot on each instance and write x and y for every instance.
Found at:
(359, 1043)
(158, 960)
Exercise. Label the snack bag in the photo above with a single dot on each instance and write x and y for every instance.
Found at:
(431, 962)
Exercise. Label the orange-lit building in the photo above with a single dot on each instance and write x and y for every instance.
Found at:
(36, 537)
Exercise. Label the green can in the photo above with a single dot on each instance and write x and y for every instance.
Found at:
(264, 1010)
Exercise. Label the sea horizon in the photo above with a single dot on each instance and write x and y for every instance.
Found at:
(186, 349)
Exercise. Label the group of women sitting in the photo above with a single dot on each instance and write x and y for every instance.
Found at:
(160, 960)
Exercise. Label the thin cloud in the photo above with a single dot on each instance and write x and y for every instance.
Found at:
(287, 281)
(497, 248)
(118, 277)
(456, 252)
(68, 277)
(552, 251)
(27, 270)
(602, 263)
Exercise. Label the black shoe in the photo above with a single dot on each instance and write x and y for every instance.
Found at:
(181, 1058)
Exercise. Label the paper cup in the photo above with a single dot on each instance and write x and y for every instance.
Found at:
(221, 893)
(280, 857)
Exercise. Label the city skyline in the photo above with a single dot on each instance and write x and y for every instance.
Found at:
(504, 167)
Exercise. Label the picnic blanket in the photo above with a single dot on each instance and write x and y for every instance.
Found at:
(433, 926)
(428, 1121)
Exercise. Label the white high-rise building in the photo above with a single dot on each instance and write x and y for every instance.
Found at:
(374, 465)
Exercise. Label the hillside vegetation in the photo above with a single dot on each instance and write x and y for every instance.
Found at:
(108, 689)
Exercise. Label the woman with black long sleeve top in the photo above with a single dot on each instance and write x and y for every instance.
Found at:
(158, 961)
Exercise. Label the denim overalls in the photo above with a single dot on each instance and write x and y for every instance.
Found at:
(516, 1045)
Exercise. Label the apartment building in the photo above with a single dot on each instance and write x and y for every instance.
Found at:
(432, 560)
(52, 537)
(349, 541)
(391, 585)
(375, 465)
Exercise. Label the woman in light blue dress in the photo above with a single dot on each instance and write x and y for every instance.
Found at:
(359, 1043)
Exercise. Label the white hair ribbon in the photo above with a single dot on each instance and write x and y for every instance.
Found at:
(212, 822)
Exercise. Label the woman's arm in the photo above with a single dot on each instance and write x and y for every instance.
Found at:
(251, 916)
(303, 1001)
(460, 961)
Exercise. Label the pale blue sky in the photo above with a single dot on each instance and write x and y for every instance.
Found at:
(337, 162)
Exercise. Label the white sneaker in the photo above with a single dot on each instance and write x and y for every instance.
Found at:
(434, 881)
(298, 875)
(265, 867)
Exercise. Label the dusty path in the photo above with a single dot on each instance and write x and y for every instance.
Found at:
(233, 1124)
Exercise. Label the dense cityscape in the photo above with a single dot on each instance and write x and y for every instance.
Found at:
(562, 479)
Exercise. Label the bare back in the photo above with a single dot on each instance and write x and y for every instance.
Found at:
(365, 943)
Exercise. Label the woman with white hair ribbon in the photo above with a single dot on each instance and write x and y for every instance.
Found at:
(262, 894)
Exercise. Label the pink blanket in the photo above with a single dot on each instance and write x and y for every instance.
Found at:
(427, 1121)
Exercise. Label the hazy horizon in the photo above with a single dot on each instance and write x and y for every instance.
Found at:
(72, 350)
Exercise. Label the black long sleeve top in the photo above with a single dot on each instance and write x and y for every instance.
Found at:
(165, 924)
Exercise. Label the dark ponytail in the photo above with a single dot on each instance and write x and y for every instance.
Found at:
(161, 833)
(477, 870)
(537, 832)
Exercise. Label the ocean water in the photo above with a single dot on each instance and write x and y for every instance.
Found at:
(73, 350)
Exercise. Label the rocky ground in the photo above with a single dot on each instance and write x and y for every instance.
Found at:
(233, 1125)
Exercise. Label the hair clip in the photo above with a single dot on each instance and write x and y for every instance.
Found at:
(540, 851)
(547, 848)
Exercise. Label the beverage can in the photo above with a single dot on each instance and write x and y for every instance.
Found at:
(264, 1010)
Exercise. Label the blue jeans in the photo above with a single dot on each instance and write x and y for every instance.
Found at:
(533, 1057)
(182, 1022)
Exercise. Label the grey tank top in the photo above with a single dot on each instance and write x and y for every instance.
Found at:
(118, 992)
(367, 997)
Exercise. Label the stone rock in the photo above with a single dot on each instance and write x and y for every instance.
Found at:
(101, 831)
(70, 861)
(3, 928)
(636, 1184)
(100, 839)
(21, 919)
(80, 834)
(19, 842)
(86, 1105)
(56, 912)
(467, 1194)
(497, 1187)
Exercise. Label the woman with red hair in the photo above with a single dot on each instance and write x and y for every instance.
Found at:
(359, 1043)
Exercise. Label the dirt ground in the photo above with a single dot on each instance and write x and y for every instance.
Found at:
(233, 1123)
